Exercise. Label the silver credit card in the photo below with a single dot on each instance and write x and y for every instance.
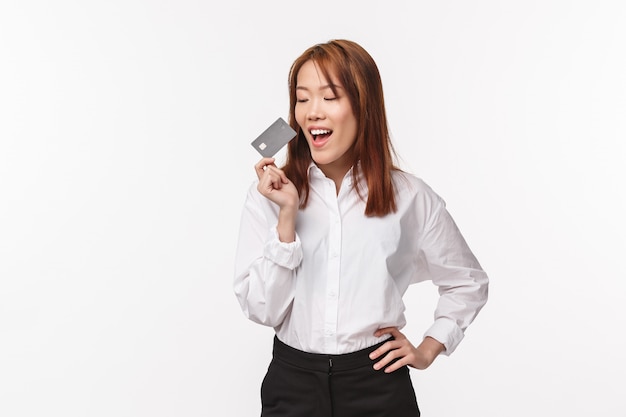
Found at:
(277, 135)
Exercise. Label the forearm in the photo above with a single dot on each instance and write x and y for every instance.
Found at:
(429, 349)
(286, 227)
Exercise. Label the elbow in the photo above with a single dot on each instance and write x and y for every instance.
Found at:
(265, 319)
(259, 312)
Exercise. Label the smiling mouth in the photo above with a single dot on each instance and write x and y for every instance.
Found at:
(320, 133)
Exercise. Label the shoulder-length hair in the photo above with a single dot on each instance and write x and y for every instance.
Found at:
(373, 153)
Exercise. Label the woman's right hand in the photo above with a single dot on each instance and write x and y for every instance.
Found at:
(274, 185)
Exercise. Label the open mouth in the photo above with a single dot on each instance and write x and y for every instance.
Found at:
(320, 134)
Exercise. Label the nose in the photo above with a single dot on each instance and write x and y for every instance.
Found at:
(315, 110)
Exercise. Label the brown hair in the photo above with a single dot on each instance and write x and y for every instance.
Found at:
(357, 72)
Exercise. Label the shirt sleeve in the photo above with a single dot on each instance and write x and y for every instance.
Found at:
(461, 281)
(264, 281)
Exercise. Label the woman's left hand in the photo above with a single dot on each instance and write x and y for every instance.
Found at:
(402, 349)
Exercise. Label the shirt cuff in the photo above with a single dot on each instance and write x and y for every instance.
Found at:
(288, 255)
(447, 332)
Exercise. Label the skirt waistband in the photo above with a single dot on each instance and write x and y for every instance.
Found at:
(321, 361)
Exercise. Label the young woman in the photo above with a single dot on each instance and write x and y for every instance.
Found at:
(330, 242)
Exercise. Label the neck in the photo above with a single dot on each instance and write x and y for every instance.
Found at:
(335, 173)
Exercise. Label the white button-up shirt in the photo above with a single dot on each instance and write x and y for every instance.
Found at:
(345, 274)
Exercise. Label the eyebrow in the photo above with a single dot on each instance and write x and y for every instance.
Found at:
(324, 87)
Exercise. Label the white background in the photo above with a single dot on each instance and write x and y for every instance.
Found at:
(125, 158)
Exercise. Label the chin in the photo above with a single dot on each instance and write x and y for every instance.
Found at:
(320, 160)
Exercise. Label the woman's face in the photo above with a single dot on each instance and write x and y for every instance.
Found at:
(326, 119)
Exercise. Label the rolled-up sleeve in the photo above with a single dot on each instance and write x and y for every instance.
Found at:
(453, 268)
(264, 281)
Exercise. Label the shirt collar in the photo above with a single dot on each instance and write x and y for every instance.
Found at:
(315, 172)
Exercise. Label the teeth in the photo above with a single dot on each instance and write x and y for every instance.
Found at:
(316, 132)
